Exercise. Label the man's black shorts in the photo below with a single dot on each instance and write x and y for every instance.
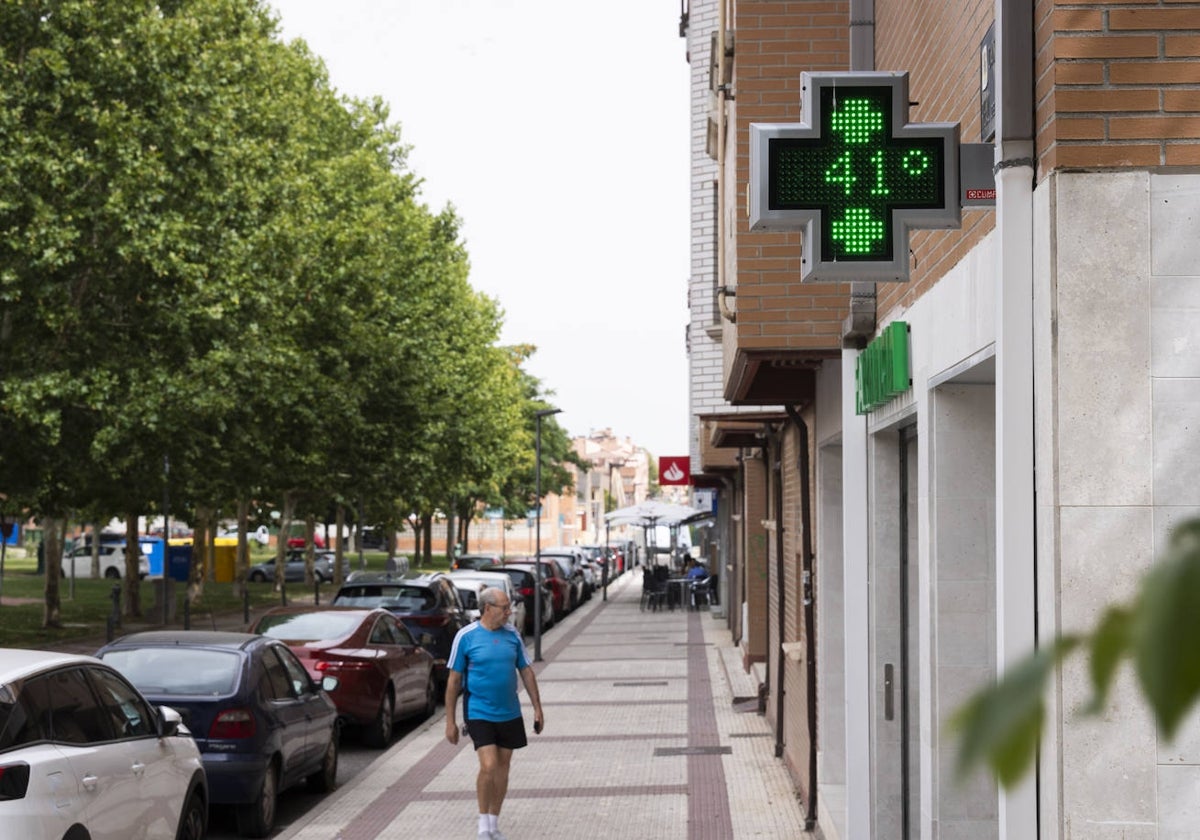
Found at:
(509, 734)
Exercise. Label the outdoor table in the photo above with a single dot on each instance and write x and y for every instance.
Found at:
(677, 591)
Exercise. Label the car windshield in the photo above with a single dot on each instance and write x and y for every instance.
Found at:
(398, 598)
(178, 670)
(303, 627)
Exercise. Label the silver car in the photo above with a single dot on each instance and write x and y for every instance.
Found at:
(84, 754)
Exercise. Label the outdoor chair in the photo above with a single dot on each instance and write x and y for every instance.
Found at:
(654, 590)
(703, 590)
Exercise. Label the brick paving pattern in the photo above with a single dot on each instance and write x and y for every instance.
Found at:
(648, 735)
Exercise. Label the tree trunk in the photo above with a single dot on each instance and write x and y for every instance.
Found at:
(133, 553)
(451, 530)
(414, 522)
(241, 562)
(340, 549)
(285, 525)
(95, 553)
(310, 547)
(202, 544)
(52, 540)
(427, 543)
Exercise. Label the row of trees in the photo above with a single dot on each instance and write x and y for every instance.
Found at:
(218, 284)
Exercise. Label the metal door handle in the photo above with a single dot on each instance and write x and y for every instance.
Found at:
(138, 768)
(889, 704)
(89, 781)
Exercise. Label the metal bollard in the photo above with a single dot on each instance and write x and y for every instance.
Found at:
(245, 604)
(604, 574)
(116, 610)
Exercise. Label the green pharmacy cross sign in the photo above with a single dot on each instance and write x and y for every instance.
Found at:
(856, 178)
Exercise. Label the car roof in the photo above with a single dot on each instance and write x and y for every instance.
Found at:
(476, 574)
(187, 638)
(17, 663)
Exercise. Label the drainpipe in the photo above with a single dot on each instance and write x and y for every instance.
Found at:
(857, 330)
(859, 326)
(803, 467)
(775, 451)
(723, 290)
(1016, 546)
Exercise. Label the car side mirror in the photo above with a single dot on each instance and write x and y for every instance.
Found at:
(330, 683)
(169, 722)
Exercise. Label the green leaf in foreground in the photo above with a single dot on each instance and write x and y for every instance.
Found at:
(1109, 643)
(1001, 725)
(1166, 630)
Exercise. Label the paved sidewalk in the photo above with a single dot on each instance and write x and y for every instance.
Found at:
(643, 740)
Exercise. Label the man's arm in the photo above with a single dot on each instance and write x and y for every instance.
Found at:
(453, 686)
(530, 681)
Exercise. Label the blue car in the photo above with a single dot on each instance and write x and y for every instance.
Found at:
(261, 723)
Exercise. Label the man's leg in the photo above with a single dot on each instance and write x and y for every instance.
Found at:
(484, 783)
(491, 786)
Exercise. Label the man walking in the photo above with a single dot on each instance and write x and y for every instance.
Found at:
(484, 662)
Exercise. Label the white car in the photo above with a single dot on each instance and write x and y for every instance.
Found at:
(499, 580)
(112, 562)
(83, 754)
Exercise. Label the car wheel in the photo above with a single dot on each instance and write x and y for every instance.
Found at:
(192, 820)
(258, 577)
(431, 697)
(325, 779)
(111, 573)
(258, 818)
(380, 731)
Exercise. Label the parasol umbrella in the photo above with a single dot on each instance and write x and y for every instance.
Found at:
(654, 512)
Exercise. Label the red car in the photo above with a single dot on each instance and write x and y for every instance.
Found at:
(553, 574)
(383, 674)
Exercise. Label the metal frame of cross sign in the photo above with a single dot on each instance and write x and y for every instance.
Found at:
(856, 177)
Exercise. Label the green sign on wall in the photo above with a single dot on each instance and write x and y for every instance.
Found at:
(882, 371)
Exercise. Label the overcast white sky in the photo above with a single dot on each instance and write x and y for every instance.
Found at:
(559, 131)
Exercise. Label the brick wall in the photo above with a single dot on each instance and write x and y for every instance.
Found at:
(1117, 86)
(944, 82)
(775, 42)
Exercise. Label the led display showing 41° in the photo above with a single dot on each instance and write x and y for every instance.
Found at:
(855, 173)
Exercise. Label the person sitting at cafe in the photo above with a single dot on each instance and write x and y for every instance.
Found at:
(696, 571)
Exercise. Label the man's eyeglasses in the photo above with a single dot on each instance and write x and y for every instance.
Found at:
(502, 607)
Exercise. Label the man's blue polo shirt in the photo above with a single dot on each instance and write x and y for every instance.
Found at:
(489, 661)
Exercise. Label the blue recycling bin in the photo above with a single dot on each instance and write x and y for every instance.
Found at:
(153, 546)
(179, 562)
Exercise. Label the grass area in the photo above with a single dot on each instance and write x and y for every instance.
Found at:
(85, 614)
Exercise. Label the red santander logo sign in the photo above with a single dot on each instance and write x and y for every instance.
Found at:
(674, 469)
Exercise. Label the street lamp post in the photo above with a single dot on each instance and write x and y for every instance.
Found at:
(537, 556)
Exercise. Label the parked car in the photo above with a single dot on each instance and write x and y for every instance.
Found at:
(574, 575)
(84, 754)
(428, 606)
(553, 574)
(468, 597)
(112, 562)
(372, 539)
(259, 535)
(293, 571)
(474, 561)
(383, 674)
(262, 724)
(296, 535)
(577, 559)
(500, 581)
(524, 583)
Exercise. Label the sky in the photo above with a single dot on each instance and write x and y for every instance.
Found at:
(559, 132)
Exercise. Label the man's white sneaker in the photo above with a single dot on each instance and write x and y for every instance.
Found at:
(498, 835)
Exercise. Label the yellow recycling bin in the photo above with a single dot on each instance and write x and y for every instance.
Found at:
(224, 559)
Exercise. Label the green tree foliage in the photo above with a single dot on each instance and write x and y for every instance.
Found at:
(211, 259)
(1157, 633)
